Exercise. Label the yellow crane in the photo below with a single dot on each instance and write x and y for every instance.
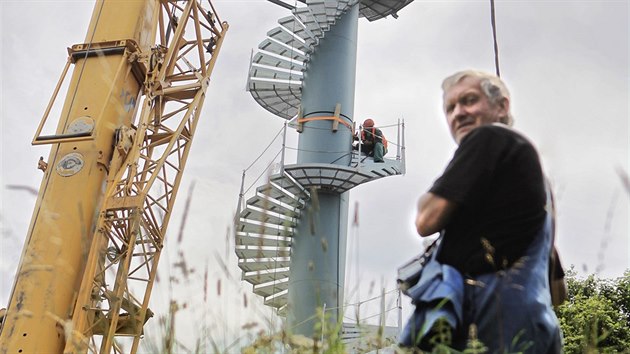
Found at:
(117, 156)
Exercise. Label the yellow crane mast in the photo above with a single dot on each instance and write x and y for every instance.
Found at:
(117, 156)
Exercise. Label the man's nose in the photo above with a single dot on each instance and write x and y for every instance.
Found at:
(458, 112)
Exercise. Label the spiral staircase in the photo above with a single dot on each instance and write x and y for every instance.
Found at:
(266, 224)
(277, 69)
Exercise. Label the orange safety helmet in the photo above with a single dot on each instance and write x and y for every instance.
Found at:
(369, 123)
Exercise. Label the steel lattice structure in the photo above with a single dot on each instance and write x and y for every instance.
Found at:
(144, 177)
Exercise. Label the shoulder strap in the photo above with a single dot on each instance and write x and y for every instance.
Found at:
(557, 283)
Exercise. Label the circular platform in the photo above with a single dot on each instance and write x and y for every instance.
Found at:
(377, 9)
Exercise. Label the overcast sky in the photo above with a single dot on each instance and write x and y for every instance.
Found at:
(565, 62)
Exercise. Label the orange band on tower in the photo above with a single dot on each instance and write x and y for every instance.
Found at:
(342, 121)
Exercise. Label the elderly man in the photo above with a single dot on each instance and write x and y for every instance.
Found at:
(491, 203)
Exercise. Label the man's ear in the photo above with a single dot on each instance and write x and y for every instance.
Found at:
(504, 105)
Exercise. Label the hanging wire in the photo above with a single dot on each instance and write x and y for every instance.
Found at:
(265, 150)
(363, 301)
(263, 172)
(387, 126)
(341, 157)
(318, 151)
(375, 315)
(494, 37)
(348, 305)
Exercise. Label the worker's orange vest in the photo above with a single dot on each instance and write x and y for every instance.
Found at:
(374, 134)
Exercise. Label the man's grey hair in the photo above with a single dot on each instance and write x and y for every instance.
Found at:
(491, 85)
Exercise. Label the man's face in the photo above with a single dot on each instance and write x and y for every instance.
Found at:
(467, 107)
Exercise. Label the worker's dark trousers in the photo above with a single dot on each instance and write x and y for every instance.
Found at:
(379, 152)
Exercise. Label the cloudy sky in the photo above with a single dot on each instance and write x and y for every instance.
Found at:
(565, 62)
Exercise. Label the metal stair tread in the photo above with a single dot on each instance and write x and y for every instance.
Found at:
(276, 47)
(289, 183)
(262, 252)
(298, 28)
(251, 239)
(273, 191)
(284, 110)
(327, 7)
(266, 73)
(282, 310)
(282, 35)
(271, 288)
(343, 4)
(257, 264)
(289, 56)
(277, 300)
(277, 97)
(263, 58)
(280, 193)
(280, 99)
(309, 22)
(306, 17)
(267, 216)
(274, 93)
(246, 225)
(275, 85)
(322, 18)
(324, 11)
(265, 276)
(264, 202)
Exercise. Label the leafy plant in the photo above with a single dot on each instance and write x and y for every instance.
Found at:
(595, 319)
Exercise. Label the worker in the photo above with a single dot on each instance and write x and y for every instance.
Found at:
(373, 142)
(491, 204)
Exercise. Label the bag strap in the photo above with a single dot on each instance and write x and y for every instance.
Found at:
(557, 283)
(409, 273)
(434, 247)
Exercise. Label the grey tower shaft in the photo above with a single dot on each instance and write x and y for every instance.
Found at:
(319, 250)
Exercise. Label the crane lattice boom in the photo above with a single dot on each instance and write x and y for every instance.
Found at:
(135, 97)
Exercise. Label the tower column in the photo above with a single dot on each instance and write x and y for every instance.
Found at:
(318, 251)
(330, 80)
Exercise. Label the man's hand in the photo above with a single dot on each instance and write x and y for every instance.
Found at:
(433, 213)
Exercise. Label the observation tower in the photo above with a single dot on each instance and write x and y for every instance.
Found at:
(291, 235)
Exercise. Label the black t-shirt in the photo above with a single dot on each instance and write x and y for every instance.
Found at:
(496, 180)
